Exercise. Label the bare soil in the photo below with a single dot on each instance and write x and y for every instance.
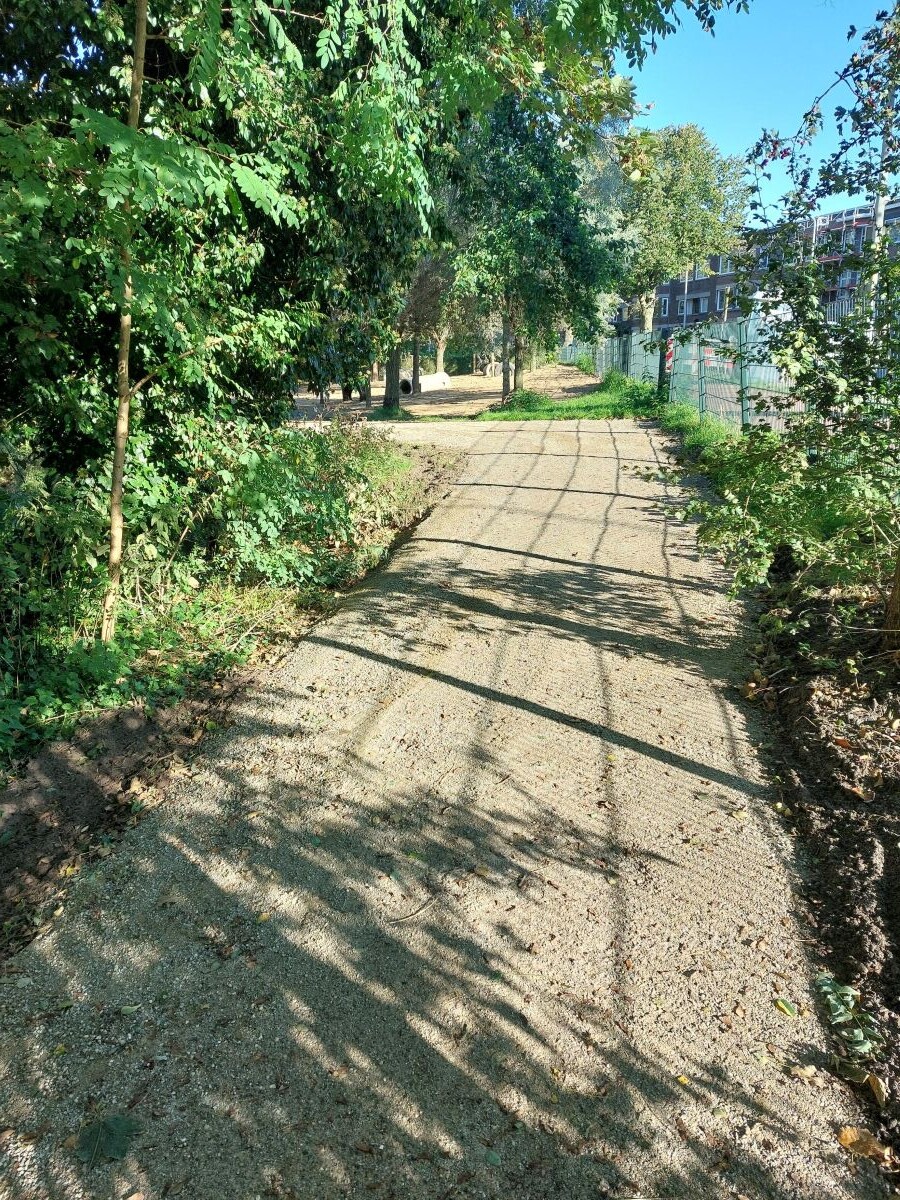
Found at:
(476, 894)
(840, 763)
(467, 395)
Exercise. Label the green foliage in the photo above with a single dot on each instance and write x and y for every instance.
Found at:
(698, 434)
(617, 397)
(688, 203)
(585, 362)
(260, 226)
(861, 1039)
(254, 522)
(532, 254)
(827, 487)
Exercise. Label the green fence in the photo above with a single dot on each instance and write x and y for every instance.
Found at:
(720, 369)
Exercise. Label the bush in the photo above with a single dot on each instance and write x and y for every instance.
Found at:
(247, 513)
(585, 362)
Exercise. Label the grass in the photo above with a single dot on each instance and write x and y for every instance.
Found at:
(617, 397)
(379, 413)
(698, 434)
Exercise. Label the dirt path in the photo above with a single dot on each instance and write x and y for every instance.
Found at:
(466, 396)
(479, 896)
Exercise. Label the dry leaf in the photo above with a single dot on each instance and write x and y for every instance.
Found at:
(807, 1072)
(861, 1143)
(879, 1090)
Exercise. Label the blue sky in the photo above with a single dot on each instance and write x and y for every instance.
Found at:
(762, 69)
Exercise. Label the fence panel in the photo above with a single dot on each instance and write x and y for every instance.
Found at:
(720, 370)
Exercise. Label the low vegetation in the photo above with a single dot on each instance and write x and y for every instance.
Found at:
(259, 525)
(617, 397)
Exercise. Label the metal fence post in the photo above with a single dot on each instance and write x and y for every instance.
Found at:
(626, 354)
(661, 369)
(743, 372)
(701, 378)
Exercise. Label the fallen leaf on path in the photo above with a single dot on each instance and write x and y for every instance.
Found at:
(803, 1072)
(493, 1158)
(786, 1006)
(109, 1137)
(862, 1144)
(879, 1089)
(850, 1070)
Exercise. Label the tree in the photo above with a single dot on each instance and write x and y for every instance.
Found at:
(532, 255)
(171, 263)
(683, 203)
(843, 372)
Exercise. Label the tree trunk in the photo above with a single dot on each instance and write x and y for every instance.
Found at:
(365, 392)
(392, 381)
(891, 637)
(439, 354)
(646, 307)
(123, 359)
(346, 392)
(416, 371)
(519, 377)
(504, 394)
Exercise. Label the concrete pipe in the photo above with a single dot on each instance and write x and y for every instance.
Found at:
(427, 383)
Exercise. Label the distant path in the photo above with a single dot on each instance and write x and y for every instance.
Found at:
(479, 896)
(467, 394)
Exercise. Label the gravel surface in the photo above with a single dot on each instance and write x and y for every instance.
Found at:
(479, 894)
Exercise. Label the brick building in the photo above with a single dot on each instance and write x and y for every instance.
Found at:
(709, 289)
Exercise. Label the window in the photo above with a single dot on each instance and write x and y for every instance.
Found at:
(726, 266)
(699, 272)
(762, 262)
(681, 307)
(701, 304)
(664, 306)
(721, 298)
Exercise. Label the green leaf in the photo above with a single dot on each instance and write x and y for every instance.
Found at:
(108, 1138)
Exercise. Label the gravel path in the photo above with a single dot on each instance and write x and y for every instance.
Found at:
(478, 896)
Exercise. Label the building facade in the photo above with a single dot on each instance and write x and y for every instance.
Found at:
(707, 291)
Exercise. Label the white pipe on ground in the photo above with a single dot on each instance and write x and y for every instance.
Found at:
(427, 383)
